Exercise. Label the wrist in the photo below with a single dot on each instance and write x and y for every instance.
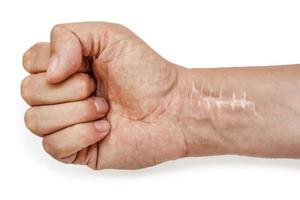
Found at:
(242, 111)
(197, 119)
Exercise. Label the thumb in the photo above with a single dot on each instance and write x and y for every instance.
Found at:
(70, 42)
(66, 54)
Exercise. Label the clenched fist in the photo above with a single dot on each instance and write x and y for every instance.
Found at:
(102, 97)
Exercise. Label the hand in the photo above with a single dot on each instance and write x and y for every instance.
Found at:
(107, 100)
(139, 85)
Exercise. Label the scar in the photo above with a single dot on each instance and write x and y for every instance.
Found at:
(236, 102)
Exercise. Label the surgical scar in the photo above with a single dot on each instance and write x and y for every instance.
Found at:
(216, 100)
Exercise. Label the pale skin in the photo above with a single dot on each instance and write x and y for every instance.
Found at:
(101, 97)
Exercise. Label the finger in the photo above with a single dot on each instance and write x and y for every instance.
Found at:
(35, 89)
(86, 156)
(68, 159)
(69, 141)
(91, 159)
(70, 42)
(37, 58)
(42, 120)
(81, 156)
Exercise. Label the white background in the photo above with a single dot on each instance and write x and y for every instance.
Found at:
(191, 33)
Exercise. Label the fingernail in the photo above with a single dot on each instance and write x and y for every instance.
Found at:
(100, 104)
(53, 64)
(101, 125)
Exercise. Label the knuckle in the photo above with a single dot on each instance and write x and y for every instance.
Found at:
(47, 145)
(31, 55)
(29, 119)
(28, 57)
(26, 89)
(53, 149)
(56, 29)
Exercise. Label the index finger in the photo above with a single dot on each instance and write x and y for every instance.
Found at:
(37, 58)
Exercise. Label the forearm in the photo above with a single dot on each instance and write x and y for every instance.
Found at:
(247, 111)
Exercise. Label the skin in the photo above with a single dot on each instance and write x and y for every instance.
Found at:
(101, 97)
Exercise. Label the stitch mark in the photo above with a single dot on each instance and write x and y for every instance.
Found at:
(205, 96)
